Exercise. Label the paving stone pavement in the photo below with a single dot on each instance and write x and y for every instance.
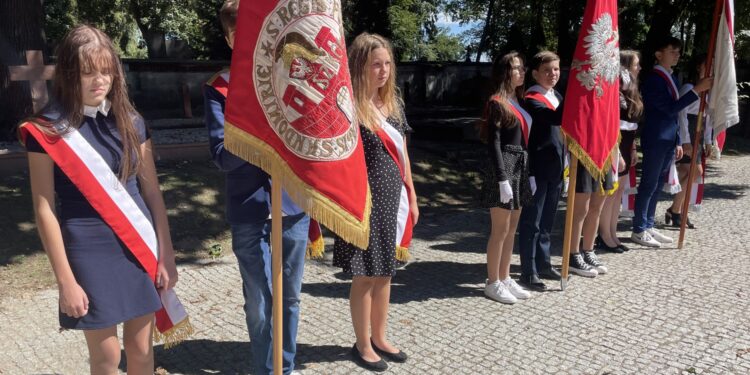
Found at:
(664, 311)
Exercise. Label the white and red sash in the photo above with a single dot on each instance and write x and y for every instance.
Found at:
(667, 76)
(629, 193)
(395, 144)
(523, 117)
(538, 93)
(85, 167)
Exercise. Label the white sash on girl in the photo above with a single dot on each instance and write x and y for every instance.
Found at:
(86, 168)
(396, 146)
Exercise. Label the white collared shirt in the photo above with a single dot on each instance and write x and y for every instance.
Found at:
(103, 108)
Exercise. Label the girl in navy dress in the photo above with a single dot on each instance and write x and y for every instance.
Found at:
(100, 281)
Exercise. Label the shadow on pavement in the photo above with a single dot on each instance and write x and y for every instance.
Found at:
(421, 281)
(231, 357)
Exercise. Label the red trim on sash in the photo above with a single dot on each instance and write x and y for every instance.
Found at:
(519, 116)
(219, 84)
(524, 124)
(670, 83)
(392, 150)
(540, 98)
(84, 180)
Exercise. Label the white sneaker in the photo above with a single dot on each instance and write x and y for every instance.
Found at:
(658, 236)
(498, 292)
(645, 239)
(515, 289)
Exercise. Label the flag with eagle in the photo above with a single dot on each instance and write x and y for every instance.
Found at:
(290, 110)
(591, 113)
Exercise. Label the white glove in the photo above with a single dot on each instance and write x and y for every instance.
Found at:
(532, 182)
(506, 193)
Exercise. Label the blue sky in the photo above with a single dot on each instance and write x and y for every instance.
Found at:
(453, 26)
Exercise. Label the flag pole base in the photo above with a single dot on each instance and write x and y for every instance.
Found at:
(564, 283)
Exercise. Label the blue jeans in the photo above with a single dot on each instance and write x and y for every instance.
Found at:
(657, 159)
(537, 220)
(251, 245)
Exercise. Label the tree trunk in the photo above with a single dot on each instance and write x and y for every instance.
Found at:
(486, 30)
(565, 44)
(156, 42)
(664, 15)
(21, 28)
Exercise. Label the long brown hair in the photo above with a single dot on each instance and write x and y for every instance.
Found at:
(86, 48)
(630, 90)
(502, 79)
(360, 55)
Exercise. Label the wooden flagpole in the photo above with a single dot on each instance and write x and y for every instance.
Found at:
(699, 129)
(572, 175)
(276, 276)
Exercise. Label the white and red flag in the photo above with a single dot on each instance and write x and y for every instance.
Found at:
(723, 107)
(591, 115)
(290, 110)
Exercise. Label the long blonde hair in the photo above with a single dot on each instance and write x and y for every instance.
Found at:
(360, 55)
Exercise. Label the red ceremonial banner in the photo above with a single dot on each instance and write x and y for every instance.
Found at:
(290, 110)
(592, 112)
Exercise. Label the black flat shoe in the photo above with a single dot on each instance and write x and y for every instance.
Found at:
(623, 247)
(399, 357)
(601, 245)
(532, 282)
(676, 219)
(550, 274)
(377, 366)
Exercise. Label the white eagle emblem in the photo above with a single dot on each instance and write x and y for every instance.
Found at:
(601, 45)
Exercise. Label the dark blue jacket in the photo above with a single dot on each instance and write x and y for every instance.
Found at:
(661, 110)
(248, 188)
(545, 140)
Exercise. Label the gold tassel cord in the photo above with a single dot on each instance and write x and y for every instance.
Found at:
(175, 335)
(315, 249)
(318, 206)
(402, 253)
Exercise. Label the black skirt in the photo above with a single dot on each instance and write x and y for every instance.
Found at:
(516, 164)
(627, 138)
(585, 182)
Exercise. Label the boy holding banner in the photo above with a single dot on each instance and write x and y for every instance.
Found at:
(662, 104)
(248, 212)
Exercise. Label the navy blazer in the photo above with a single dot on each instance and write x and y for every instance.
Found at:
(248, 188)
(546, 160)
(661, 110)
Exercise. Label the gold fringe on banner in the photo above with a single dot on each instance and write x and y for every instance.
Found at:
(175, 335)
(584, 158)
(318, 206)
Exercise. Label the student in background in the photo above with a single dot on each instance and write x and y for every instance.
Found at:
(506, 187)
(546, 164)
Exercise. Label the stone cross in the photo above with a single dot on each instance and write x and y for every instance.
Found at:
(37, 74)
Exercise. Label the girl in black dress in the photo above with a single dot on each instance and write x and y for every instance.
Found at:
(380, 112)
(506, 186)
(101, 283)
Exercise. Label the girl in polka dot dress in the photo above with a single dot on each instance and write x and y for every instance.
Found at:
(379, 110)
